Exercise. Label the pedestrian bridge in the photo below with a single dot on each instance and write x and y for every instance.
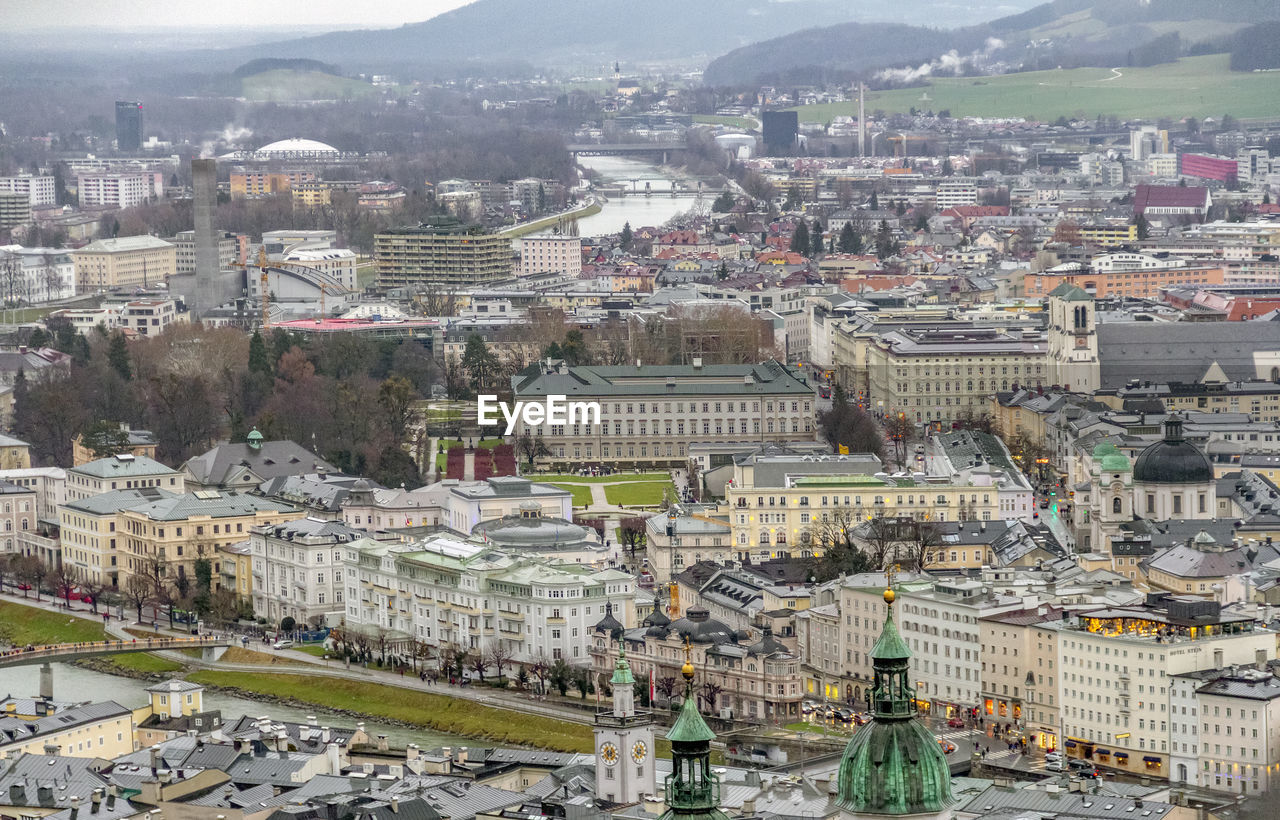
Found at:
(212, 649)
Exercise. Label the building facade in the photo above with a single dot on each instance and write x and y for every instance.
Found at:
(550, 254)
(40, 190)
(452, 257)
(126, 262)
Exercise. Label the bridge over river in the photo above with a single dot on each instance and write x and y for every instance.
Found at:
(210, 646)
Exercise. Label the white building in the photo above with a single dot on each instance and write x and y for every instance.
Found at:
(36, 274)
(48, 483)
(86, 319)
(121, 472)
(120, 190)
(446, 592)
(457, 505)
(550, 254)
(39, 189)
(149, 317)
(1225, 728)
(338, 263)
(1115, 670)
(298, 569)
(955, 194)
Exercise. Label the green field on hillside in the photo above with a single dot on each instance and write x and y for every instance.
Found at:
(1193, 86)
(283, 85)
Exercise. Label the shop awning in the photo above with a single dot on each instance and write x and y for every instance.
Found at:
(1102, 751)
(1122, 754)
(1151, 759)
(1071, 744)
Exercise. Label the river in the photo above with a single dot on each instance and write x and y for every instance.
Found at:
(76, 684)
(639, 210)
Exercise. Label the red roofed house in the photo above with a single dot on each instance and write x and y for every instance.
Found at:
(968, 213)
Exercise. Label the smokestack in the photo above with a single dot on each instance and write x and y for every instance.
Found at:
(862, 119)
(204, 184)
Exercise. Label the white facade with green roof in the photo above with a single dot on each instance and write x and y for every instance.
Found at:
(443, 591)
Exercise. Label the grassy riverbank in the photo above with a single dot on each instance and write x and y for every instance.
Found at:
(454, 716)
(21, 625)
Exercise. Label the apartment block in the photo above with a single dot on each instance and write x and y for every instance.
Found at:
(124, 190)
(550, 254)
(40, 190)
(451, 256)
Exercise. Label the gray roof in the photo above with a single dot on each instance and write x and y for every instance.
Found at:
(16, 730)
(214, 504)
(309, 527)
(23, 777)
(453, 797)
(324, 492)
(272, 459)
(1182, 351)
(765, 380)
(123, 466)
(1063, 804)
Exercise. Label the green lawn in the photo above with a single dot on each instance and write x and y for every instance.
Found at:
(316, 649)
(144, 662)
(581, 493)
(734, 122)
(366, 275)
(22, 625)
(283, 85)
(1193, 86)
(617, 478)
(444, 714)
(640, 494)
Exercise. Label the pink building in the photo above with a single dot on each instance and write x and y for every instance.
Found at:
(550, 254)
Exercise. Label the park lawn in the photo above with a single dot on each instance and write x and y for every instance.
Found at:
(316, 649)
(618, 478)
(1193, 86)
(250, 657)
(490, 443)
(733, 122)
(21, 625)
(640, 494)
(581, 493)
(444, 714)
(144, 662)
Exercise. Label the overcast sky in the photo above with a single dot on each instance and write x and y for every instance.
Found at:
(238, 13)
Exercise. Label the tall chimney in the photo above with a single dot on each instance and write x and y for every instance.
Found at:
(204, 184)
(862, 119)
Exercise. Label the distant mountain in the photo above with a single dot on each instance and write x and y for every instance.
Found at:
(590, 32)
(1061, 33)
(264, 64)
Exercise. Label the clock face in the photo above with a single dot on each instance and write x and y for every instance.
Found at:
(609, 754)
(638, 751)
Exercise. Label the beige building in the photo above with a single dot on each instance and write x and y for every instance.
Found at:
(550, 254)
(1115, 666)
(125, 262)
(684, 535)
(1019, 678)
(90, 533)
(176, 531)
(449, 257)
(15, 454)
(103, 730)
(142, 444)
(650, 415)
(121, 472)
(933, 376)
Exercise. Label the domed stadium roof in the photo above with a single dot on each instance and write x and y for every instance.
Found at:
(297, 146)
(1173, 460)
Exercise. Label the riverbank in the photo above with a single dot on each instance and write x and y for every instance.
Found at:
(406, 707)
(525, 228)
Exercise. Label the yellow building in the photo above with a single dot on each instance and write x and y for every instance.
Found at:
(124, 262)
(103, 729)
(15, 454)
(90, 531)
(141, 444)
(176, 531)
(264, 183)
(311, 195)
(1109, 236)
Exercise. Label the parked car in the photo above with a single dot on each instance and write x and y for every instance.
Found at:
(955, 723)
(1055, 765)
(1049, 756)
(282, 645)
(1082, 767)
(806, 708)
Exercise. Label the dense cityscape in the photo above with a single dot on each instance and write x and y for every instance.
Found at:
(747, 411)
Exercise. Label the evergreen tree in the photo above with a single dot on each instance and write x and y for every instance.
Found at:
(884, 241)
(481, 362)
(626, 236)
(723, 203)
(947, 170)
(104, 439)
(259, 361)
(874, 202)
(118, 356)
(815, 240)
(800, 239)
(848, 237)
(1144, 227)
(1266, 197)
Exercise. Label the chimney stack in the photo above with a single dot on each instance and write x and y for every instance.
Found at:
(204, 184)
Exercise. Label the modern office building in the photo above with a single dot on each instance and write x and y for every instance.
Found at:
(445, 255)
(650, 415)
(128, 125)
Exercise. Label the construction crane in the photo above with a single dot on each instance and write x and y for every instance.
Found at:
(263, 294)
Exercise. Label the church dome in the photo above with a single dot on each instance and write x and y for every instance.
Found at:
(698, 626)
(1173, 460)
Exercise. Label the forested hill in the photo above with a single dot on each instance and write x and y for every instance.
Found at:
(1061, 33)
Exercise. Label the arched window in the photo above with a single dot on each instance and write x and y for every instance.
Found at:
(764, 538)
(1115, 505)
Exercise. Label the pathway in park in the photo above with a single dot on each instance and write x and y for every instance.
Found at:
(598, 498)
(469, 466)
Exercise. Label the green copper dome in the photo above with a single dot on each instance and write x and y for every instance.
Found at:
(893, 766)
(622, 669)
(1115, 463)
(692, 790)
(689, 726)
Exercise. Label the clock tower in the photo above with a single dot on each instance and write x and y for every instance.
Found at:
(624, 742)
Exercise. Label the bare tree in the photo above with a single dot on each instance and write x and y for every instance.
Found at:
(923, 549)
(480, 664)
(540, 669)
(710, 694)
(32, 570)
(499, 656)
(666, 686)
(65, 578)
(138, 591)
